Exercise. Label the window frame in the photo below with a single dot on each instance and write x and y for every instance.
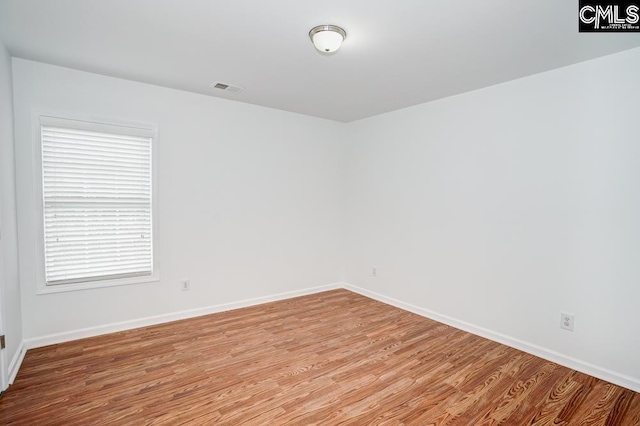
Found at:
(76, 121)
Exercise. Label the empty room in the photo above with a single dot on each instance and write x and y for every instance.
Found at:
(291, 212)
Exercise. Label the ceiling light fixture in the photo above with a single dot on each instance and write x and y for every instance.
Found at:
(327, 38)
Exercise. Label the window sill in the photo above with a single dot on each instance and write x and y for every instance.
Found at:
(61, 288)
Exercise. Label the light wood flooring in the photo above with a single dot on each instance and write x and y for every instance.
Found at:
(330, 358)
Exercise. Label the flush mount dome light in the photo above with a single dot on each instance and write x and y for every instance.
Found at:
(327, 38)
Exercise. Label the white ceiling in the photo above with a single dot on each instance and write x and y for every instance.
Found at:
(397, 53)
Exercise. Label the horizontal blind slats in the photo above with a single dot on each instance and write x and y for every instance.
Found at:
(96, 171)
(97, 205)
(62, 147)
(95, 255)
(110, 146)
(96, 265)
(87, 194)
(90, 134)
(89, 255)
(100, 276)
(88, 227)
(92, 164)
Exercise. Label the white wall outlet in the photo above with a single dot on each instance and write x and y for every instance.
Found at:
(567, 321)
(374, 271)
(185, 285)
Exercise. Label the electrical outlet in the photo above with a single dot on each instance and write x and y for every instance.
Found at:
(374, 271)
(567, 321)
(185, 285)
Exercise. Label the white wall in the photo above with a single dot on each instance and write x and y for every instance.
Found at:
(250, 198)
(505, 206)
(497, 208)
(9, 279)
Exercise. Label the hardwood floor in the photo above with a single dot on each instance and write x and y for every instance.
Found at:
(330, 358)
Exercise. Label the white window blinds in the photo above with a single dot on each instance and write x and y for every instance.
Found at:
(97, 205)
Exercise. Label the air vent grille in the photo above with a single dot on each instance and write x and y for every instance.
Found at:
(218, 85)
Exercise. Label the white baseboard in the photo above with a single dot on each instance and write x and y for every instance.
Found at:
(16, 362)
(82, 333)
(548, 354)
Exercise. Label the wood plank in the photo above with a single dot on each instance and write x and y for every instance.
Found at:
(329, 358)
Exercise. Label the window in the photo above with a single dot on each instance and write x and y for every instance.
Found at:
(98, 203)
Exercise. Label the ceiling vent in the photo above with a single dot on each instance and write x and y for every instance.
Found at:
(218, 85)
